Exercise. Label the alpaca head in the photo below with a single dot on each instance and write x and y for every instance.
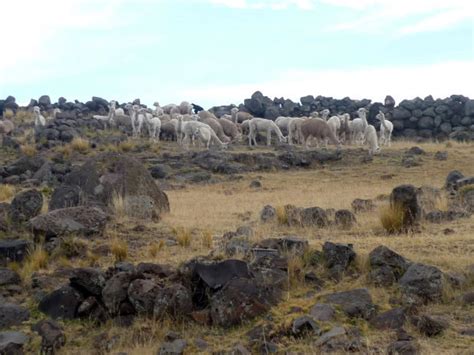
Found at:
(361, 112)
(36, 109)
(234, 110)
(325, 113)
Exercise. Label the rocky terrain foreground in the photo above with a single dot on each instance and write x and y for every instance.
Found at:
(119, 245)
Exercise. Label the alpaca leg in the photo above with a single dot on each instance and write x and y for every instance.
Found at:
(269, 138)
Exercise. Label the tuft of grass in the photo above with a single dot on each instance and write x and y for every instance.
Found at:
(65, 151)
(183, 236)
(295, 270)
(281, 214)
(119, 249)
(155, 248)
(72, 247)
(80, 145)
(37, 259)
(23, 116)
(206, 239)
(392, 218)
(28, 150)
(465, 189)
(8, 114)
(126, 146)
(118, 206)
(6, 192)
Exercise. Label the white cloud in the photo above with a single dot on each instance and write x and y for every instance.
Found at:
(262, 4)
(439, 80)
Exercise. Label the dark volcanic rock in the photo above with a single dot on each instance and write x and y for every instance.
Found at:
(405, 197)
(337, 258)
(12, 314)
(355, 303)
(174, 301)
(11, 343)
(108, 175)
(9, 277)
(13, 250)
(323, 312)
(387, 266)
(62, 303)
(52, 336)
(392, 319)
(82, 220)
(26, 205)
(65, 196)
(421, 284)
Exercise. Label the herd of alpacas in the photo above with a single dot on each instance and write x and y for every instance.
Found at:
(186, 125)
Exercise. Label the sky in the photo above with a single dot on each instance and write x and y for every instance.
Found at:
(214, 52)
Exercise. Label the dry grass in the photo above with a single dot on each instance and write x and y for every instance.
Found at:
(392, 218)
(29, 150)
(6, 192)
(36, 260)
(8, 114)
(119, 207)
(155, 248)
(23, 116)
(80, 145)
(206, 239)
(126, 146)
(183, 236)
(119, 249)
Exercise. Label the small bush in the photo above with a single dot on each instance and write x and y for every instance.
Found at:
(183, 236)
(72, 247)
(119, 249)
(282, 217)
(37, 259)
(392, 219)
(28, 150)
(206, 239)
(126, 146)
(6, 192)
(295, 270)
(8, 114)
(155, 248)
(80, 145)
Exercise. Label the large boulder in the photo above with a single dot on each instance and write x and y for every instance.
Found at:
(422, 284)
(65, 196)
(44, 101)
(405, 198)
(61, 303)
(240, 300)
(173, 301)
(355, 303)
(26, 205)
(337, 258)
(115, 291)
(12, 314)
(82, 220)
(88, 281)
(12, 342)
(108, 177)
(13, 250)
(386, 266)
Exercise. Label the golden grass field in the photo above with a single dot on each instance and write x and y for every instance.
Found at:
(200, 214)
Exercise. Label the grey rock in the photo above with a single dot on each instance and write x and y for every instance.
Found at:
(12, 314)
(422, 284)
(175, 347)
(9, 277)
(13, 250)
(52, 336)
(323, 312)
(173, 301)
(392, 319)
(268, 214)
(355, 303)
(26, 205)
(345, 219)
(61, 303)
(11, 343)
(305, 325)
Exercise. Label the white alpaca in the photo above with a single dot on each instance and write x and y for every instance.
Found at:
(206, 135)
(154, 125)
(294, 130)
(344, 131)
(186, 130)
(186, 108)
(40, 121)
(325, 114)
(283, 122)
(54, 113)
(334, 124)
(230, 129)
(158, 110)
(386, 129)
(370, 137)
(137, 119)
(240, 116)
(261, 125)
(357, 127)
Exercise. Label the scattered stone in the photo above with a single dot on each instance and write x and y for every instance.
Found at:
(82, 220)
(12, 314)
(468, 332)
(405, 197)
(360, 205)
(323, 312)
(409, 161)
(52, 336)
(65, 196)
(338, 340)
(422, 284)
(448, 231)
(429, 326)
(268, 214)
(239, 349)
(305, 325)
(62, 303)
(392, 319)
(88, 280)
(142, 294)
(386, 266)
(338, 258)
(175, 347)
(13, 250)
(201, 344)
(115, 291)
(345, 219)
(255, 184)
(439, 155)
(26, 205)
(404, 345)
(12, 342)
(452, 179)
(9, 277)
(314, 217)
(416, 151)
(468, 298)
(174, 301)
(355, 303)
